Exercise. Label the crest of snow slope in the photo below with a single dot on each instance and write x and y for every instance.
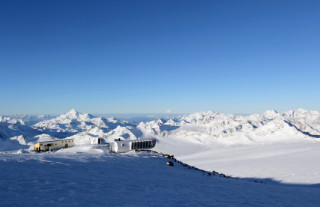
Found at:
(228, 128)
(74, 122)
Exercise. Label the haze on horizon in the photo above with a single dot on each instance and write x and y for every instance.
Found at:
(159, 56)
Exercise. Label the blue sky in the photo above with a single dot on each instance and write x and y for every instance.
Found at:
(153, 56)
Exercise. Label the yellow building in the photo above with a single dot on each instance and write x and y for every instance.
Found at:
(53, 145)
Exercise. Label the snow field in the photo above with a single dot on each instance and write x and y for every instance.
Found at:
(134, 179)
(287, 162)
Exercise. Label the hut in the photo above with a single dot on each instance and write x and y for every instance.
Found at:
(120, 145)
(53, 145)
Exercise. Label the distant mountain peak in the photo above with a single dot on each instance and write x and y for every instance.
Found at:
(73, 112)
(271, 112)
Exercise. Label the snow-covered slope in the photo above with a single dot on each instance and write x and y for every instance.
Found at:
(96, 178)
(292, 161)
(281, 146)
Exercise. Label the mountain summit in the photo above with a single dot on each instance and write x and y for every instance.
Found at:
(74, 122)
(70, 123)
(73, 112)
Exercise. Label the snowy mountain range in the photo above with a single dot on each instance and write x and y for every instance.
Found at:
(11, 127)
(74, 122)
(276, 142)
(197, 127)
(32, 119)
(210, 125)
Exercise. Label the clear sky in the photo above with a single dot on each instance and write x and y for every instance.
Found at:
(127, 56)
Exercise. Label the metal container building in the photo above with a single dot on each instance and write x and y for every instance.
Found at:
(120, 145)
